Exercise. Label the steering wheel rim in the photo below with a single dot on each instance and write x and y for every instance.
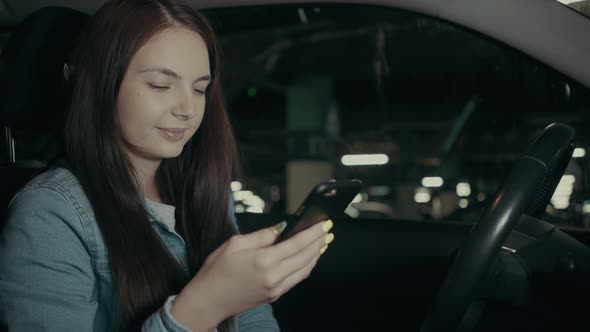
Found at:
(531, 181)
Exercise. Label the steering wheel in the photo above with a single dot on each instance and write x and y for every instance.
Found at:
(527, 189)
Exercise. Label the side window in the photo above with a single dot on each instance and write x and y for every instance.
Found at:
(430, 116)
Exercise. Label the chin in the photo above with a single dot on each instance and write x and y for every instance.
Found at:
(168, 152)
(171, 155)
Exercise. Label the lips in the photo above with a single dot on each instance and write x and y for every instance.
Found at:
(173, 134)
(174, 130)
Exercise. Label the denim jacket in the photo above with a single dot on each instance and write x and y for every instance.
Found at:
(54, 270)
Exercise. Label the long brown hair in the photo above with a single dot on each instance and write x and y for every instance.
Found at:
(197, 182)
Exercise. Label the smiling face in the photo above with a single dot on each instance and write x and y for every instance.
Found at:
(161, 101)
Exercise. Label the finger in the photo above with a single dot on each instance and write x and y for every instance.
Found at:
(261, 238)
(301, 259)
(297, 277)
(298, 242)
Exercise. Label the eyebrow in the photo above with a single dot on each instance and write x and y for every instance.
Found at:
(173, 74)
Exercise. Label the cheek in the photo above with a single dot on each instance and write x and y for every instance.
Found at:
(137, 116)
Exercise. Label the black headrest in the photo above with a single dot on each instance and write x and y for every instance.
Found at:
(32, 67)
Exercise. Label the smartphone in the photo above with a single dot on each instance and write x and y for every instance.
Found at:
(326, 200)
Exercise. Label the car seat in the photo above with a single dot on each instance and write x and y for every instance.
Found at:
(33, 94)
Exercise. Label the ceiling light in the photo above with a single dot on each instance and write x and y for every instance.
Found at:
(364, 159)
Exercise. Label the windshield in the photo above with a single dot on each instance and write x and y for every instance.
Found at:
(430, 116)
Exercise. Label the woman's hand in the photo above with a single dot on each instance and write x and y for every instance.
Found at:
(247, 271)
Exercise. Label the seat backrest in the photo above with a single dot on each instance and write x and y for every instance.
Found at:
(32, 92)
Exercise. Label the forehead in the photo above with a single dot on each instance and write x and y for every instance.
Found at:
(179, 49)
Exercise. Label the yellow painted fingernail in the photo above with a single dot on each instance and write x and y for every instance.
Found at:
(329, 238)
(280, 227)
(327, 226)
(323, 249)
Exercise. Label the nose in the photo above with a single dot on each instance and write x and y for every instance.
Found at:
(185, 107)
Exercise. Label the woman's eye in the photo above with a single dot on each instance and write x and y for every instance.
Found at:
(158, 87)
(199, 91)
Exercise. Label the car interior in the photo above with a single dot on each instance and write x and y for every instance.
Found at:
(512, 261)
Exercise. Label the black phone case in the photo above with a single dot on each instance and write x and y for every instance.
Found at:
(326, 200)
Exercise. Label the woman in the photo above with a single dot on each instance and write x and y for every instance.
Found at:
(133, 231)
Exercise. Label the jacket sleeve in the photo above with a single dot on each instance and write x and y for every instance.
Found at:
(46, 277)
(163, 320)
(259, 319)
(47, 282)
